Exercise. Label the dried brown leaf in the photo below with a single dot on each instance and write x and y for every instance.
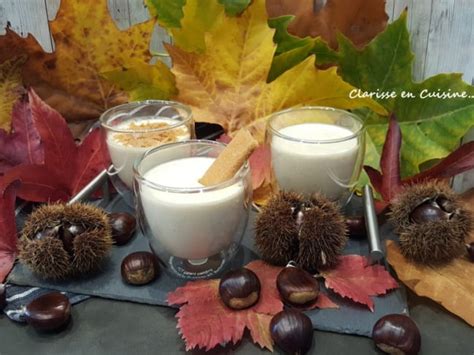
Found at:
(450, 285)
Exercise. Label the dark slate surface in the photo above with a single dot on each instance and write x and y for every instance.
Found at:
(350, 318)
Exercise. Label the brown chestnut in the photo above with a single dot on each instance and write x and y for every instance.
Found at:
(68, 233)
(123, 227)
(49, 312)
(139, 268)
(3, 297)
(297, 286)
(356, 226)
(48, 233)
(292, 331)
(239, 289)
(470, 251)
(397, 334)
(434, 209)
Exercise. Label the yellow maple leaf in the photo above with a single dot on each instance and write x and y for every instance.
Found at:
(226, 83)
(10, 89)
(88, 43)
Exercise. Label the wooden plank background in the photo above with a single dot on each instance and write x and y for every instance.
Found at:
(442, 34)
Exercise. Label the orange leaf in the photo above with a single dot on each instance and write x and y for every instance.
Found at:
(205, 322)
(355, 279)
(360, 20)
(450, 285)
(87, 43)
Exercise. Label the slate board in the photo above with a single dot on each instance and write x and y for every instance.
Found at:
(350, 318)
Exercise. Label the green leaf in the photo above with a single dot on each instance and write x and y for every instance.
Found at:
(144, 81)
(431, 127)
(292, 50)
(234, 7)
(169, 12)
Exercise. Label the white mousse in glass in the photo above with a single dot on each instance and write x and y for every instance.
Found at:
(132, 139)
(314, 157)
(196, 225)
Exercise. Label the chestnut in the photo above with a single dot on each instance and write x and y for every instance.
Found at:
(434, 209)
(239, 289)
(48, 233)
(139, 268)
(123, 227)
(292, 331)
(397, 334)
(470, 251)
(3, 297)
(68, 233)
(49, 312)
(356, 226)
(297, 286)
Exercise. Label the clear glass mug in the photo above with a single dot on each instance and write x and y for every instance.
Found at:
(316, 149)
(194, 230)
(133, 128)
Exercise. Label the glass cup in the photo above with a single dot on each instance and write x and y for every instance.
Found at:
(194, 230)
(133, 128)
(316, 149)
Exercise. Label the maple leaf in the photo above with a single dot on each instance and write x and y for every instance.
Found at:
(67, 168)
(87, 43)
(389, 183)
(201, 305)
(10, 89)
(359, 20)
(226, 83)
(354, 278)
(451, 285)
(8, 236)
(205, 322)
(23, 144)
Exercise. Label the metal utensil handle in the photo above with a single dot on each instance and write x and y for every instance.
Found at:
(99, 181)
(371, 223)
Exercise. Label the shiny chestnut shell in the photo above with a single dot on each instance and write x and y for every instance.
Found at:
(297, 286)
(49, 312)
(123, 227)
(239, 289)
(430, 211)
(139, 268)
(397, 334)
(470, 251)
(356, 226)
(3, 297)
(292, 331)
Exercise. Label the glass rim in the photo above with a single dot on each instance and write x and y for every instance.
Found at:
(241, 174)
(186, 119)
(276, 132)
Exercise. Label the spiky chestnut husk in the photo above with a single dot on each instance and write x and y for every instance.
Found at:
(48, 257)
(312, 232)
(431, 242)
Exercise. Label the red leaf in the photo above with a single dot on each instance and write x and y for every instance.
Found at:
(8, 236)
(259, 160)
(67, 168)
(23, 144)
(376, 179)
(205, 322)
(355, 279)
(38, 183)
(324, 301)
(459, 161)
(390, 161)
(92, 158)
(260, 165)
(59, 146)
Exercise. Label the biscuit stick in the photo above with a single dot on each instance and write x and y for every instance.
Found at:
(230, 160)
